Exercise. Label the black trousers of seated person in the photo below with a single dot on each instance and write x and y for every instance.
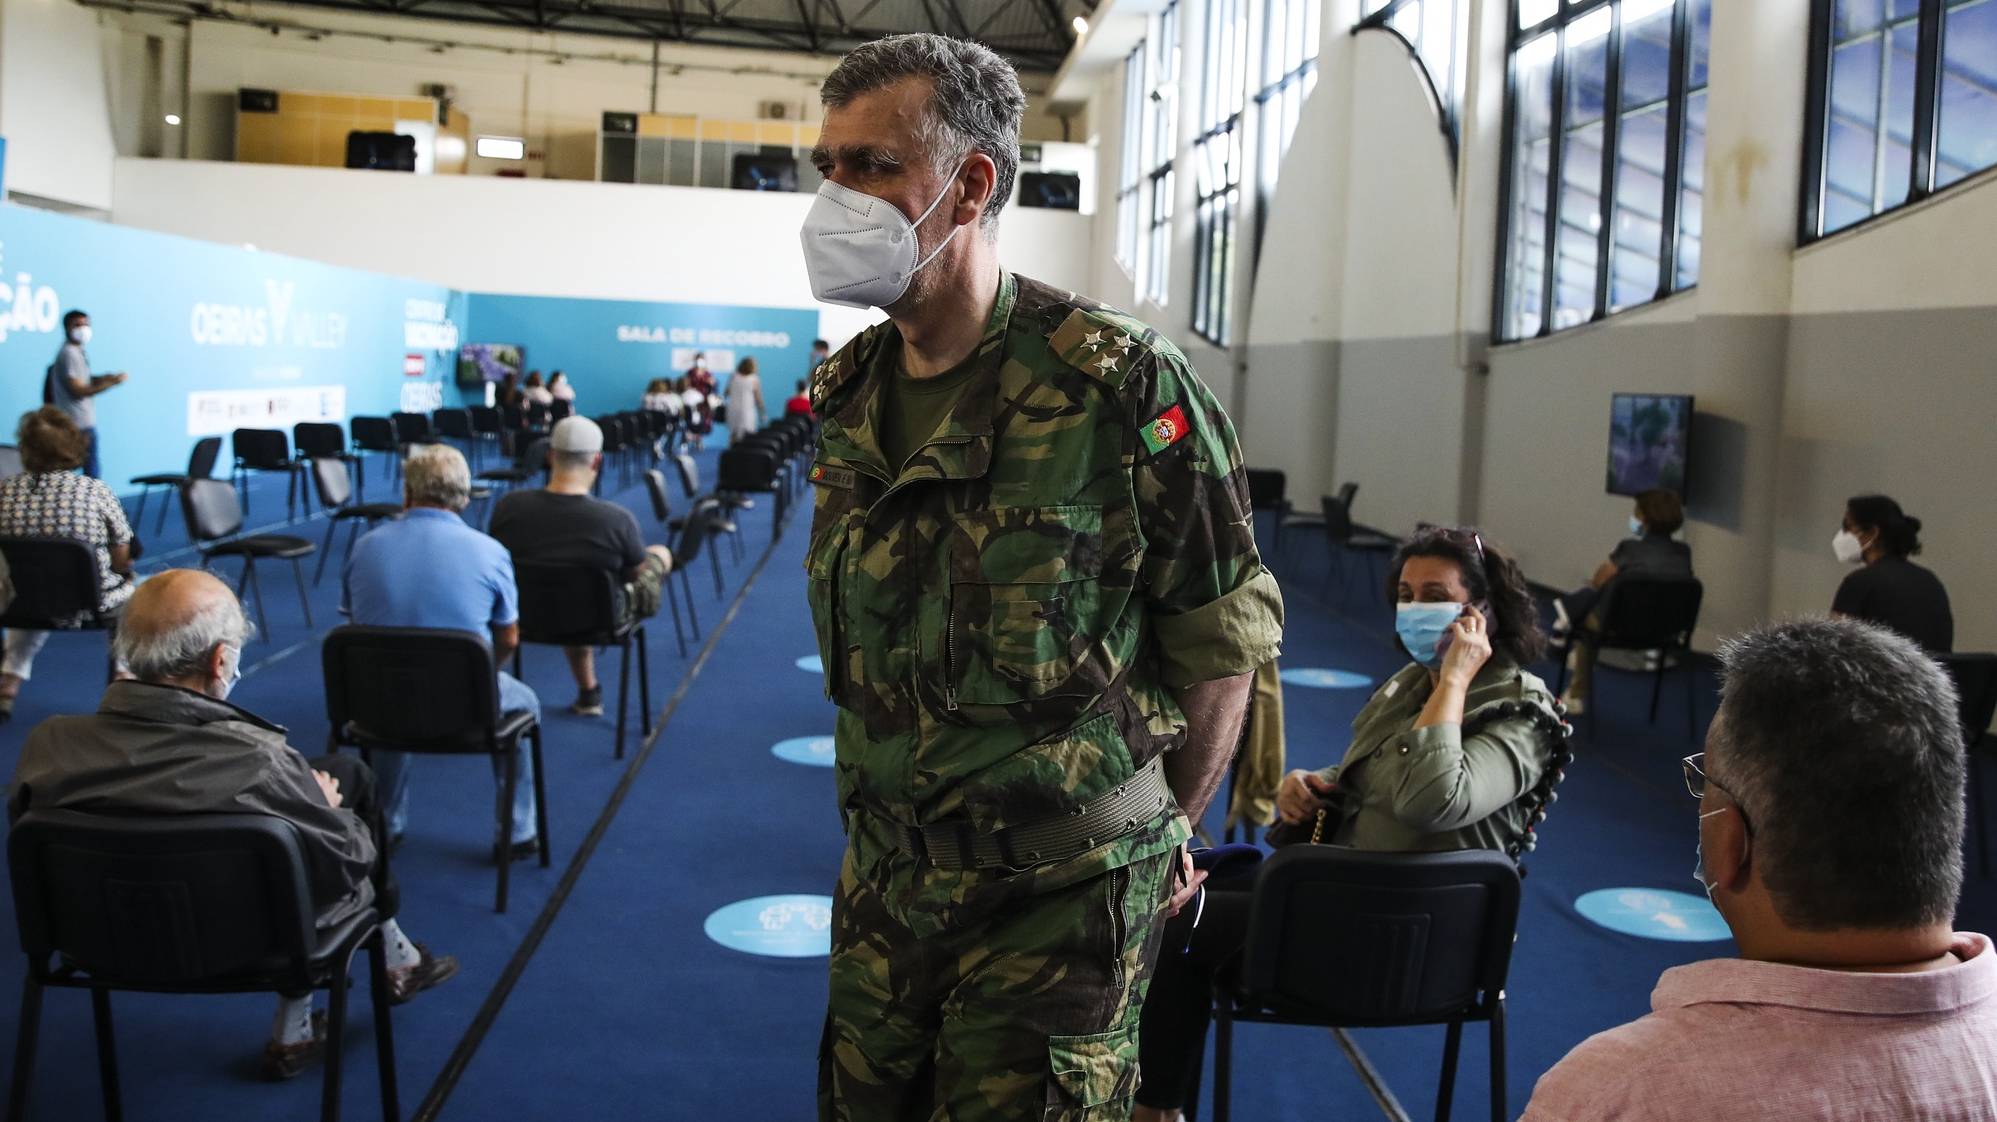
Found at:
(360, 794)
(1172, 1037)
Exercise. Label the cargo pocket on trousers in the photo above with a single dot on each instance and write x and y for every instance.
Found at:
(1092, 1078)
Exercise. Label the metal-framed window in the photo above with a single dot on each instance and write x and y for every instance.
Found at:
(1605, 152)
(1903, 103)
(1289, 71)
(1130, 178)
(1434, 33)
(1162, 138)
(1217, 167)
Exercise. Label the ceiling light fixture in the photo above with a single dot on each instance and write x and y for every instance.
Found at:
(1081, 24)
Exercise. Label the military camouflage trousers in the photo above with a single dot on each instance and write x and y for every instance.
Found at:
(1030, 1013)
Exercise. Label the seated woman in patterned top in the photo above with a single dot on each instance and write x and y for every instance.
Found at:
(1448, 754)
(50, 500)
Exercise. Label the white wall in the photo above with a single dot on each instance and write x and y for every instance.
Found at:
(509, 82)
(538, 237)
(54, 108)
(1859, 364)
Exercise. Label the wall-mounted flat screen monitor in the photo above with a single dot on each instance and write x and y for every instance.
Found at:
(479, 363)
(764, 171)
(1650, 439)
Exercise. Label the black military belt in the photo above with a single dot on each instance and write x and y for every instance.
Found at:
(1121, 811)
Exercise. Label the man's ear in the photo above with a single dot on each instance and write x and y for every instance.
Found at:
(979, 181)
(1730, 857)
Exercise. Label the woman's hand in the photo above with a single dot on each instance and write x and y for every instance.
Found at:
(1188, 880)
(1469, 647)
(1301, 794)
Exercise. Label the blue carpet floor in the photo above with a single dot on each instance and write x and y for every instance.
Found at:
(599, 996)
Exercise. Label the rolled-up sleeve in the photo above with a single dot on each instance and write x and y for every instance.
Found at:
(1215, 612)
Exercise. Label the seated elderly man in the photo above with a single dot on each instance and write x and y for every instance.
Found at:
(1830, 838)
(428, 569)
(563, 525)
(169, 742)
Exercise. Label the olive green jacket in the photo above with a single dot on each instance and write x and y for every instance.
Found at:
(1408, 789)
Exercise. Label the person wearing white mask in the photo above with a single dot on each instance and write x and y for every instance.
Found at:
(1039, 608)
(167, 741)
(1888, 588)
(69, 385)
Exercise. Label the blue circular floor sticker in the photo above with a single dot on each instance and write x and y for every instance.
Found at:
(813, 751)
(1325, 678)
(811, 664)
(777, 926)
(1655, 913)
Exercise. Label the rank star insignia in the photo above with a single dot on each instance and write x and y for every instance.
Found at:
(1093, 339)
(1166, 430)
(1108, 365)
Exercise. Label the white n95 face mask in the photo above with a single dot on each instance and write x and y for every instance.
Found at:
(80, 335)
(860, 250)
(1847, 548)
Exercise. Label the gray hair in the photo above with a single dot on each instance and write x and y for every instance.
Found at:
(975, 103)
(1841, 742)
(436, 475)
(182, 651)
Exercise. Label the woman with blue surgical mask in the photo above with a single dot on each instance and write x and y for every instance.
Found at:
(1412, 777)
(1450, 753)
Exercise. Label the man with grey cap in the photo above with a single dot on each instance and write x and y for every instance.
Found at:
(562, 524)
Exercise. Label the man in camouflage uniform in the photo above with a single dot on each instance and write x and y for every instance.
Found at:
(1039, 606)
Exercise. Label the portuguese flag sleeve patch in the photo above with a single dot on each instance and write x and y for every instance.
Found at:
(1168, 429)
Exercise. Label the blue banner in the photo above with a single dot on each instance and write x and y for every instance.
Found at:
(217, 337)
(611, 349)
(214, 337)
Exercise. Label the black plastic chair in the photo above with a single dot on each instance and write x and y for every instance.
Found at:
(1344, 938)
(431, 692)
(1268, 491)
(215, 524)
(56, 588)
(1313, 520)
(570, 606)
(374, 434)
(526, 467)
(265, 450)
(317, 440)
(559, 409)
(488, 428)
(1976, 704)
(200, 465)
(689, 473)
(1640, 613)
(694, 530)
(336, 495)
(194, 904)
(662, 508)
(751, 470)
(1343, 536)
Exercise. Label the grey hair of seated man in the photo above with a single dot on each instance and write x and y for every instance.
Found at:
(171, 627)
(436, 475)
(1841, 742)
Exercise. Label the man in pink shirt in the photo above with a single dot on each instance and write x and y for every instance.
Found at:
(1830, 833)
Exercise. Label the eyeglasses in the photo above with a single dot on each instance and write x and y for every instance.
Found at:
(1696, 782)
(1470, 538)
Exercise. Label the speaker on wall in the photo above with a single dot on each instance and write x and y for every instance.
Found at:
(1055, 190)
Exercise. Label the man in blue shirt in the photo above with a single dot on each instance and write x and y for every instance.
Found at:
(428, 569)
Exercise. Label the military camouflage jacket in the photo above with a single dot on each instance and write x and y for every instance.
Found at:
(1003, 621)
